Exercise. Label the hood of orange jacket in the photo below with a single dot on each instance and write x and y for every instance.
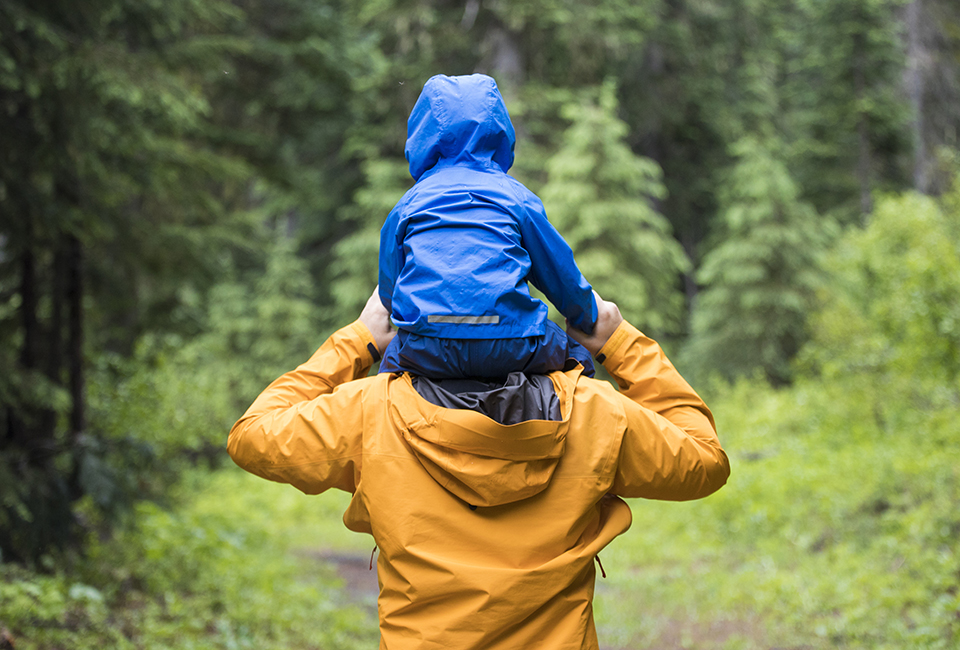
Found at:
(479, 461)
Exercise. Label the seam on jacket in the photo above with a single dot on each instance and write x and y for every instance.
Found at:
(521, 195)
(438, 109)
(326, 461)
(488, 122)
(611, 462)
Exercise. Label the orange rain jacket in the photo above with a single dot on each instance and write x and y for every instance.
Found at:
(518, 570)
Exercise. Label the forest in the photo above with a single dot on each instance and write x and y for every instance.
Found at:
(191, 193)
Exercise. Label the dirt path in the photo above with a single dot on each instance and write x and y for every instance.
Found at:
(360, 588)
(359, 580)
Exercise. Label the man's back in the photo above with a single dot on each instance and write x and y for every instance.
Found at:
(487, 531)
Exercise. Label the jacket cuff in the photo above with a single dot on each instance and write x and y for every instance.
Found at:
(612, 351)
(367, 347)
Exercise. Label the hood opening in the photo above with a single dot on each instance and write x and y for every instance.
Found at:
(517, 399)
(479, 460)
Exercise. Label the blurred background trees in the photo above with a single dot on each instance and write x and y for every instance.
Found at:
(190, 195)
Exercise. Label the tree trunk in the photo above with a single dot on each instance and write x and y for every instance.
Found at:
(75, 335)
(18, 418)
(864, 154)
(53, 362)
(689, 242)
(915, 75)
(503, 58)
(28, 309)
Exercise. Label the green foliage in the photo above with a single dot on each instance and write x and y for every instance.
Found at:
(761, 276)
(600, 197)
(839, 526)
(230, 567)
(106, 171)
(156, 139)
(893, 306)
(845, 113)
(175, 399)
(831, 533)
(356, 263)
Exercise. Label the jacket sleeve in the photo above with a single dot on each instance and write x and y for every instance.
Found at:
(670, 448)
(391, 258)
(553, 269)
(305, 428)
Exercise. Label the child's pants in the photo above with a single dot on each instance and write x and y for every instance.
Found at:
(485, 358)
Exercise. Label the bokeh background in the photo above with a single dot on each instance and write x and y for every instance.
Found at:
(190, 198)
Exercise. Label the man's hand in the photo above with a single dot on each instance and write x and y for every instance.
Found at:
(608, 320)
(377, 320)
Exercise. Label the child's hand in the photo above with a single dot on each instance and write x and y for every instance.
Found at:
(608, 320)
(377, 320)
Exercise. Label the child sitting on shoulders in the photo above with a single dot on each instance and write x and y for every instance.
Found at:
(458, 249)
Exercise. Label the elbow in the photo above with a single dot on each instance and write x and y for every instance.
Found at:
(235, 440)
(716, 471)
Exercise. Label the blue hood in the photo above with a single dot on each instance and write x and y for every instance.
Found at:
(460, 120)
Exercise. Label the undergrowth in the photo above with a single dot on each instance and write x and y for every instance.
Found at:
(835, 531)
(223, 569)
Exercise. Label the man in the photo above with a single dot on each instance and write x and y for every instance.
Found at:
(489, 501)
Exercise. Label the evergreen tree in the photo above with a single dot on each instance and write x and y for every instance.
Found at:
(599, 196)
(143, 146)
(846, 135)
(354, 268)
(760, 278)
(106, 175)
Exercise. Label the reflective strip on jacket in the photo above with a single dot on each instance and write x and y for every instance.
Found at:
(487, 533)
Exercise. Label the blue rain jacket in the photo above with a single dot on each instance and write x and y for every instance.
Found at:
(457, 250)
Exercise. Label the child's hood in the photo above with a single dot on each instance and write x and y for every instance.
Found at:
(459, 119)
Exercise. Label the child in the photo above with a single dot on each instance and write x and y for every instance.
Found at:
(457, 250)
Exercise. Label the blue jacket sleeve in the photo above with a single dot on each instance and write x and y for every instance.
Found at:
(554, 271)
(391, 258)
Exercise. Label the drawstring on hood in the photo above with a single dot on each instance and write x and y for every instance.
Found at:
(600, 564)
(459, 120)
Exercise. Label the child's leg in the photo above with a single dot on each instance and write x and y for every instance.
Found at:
(457, 358)
(485, 358)
(557, 351)
(391, 359)
(428, 356)
(419, 355)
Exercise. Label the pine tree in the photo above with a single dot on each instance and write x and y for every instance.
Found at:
(106, 170)
(847, 134)
(760, 278)
(599, 196)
